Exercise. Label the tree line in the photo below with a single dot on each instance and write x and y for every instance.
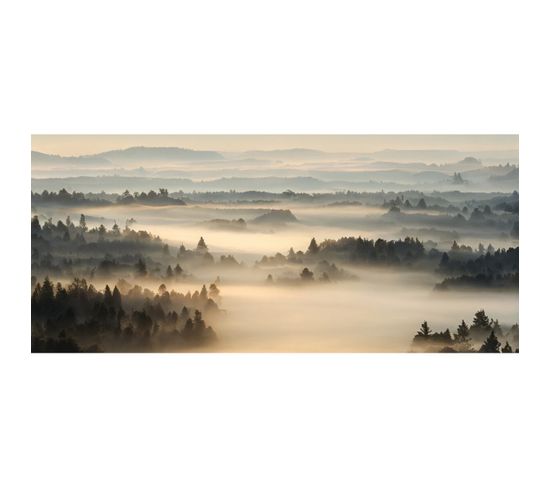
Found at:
(79, 318)
(482, 335)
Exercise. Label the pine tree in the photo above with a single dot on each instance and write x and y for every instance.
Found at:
(35, 225)
(181, 251)
(491, 344)
(108, 296)
(201, 245)
(507, 348)
(214, 291)
(117, 299)
(462, 332)
(313, 247)
(425, 330)
(141, 267)
(481, 320)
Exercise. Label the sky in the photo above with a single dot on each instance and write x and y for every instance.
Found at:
(73, 145)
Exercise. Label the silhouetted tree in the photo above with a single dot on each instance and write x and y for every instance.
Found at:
(35, 225)
(462, 332)
(313, 247)
(201, 245)
(181, 251)
(507, 348)
(306, 275)
(214, 291)
(425, 330)
(141, 268)
(108, 297)
(491, 344)
(481, 320)
(117, 299)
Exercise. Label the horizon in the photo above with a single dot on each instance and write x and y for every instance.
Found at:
(81, 145)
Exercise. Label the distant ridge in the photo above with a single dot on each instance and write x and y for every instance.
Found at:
(143, 153)
(137, 154)
(39, 157)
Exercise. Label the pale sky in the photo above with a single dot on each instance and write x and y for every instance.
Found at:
(72, 145)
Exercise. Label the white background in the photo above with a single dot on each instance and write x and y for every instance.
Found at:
(273, 67)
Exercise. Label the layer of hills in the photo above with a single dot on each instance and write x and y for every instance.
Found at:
(142, 168)
(385, 158)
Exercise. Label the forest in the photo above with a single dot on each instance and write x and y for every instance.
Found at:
(484, 334)
(313, 251)
(79, 318)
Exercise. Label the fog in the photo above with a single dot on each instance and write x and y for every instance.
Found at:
(378, 314)
(294, 250)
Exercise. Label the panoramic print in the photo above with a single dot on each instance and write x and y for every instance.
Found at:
(275, 243)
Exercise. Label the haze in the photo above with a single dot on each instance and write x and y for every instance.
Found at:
(303, 243)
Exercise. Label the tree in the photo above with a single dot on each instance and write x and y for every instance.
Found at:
(491, 344)
(117, 299)
(188, 325)
(421, 204)
(462, 332)
(141, 267)
(35, 225)
(481, 320)
(169, 272)
(198, 322)
(116, 230)
(178, 270)
(214, 291)
(455, 247)
(306, 275)
(166, 250)
(83, 225)
(201, 245)
(507, 348)
(181, 251)
(101, 231)
(184, 314)
(313, 247)
(107, 296)
(425, 330)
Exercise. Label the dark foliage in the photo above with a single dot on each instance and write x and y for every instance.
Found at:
(78, 318)
(483, 335)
